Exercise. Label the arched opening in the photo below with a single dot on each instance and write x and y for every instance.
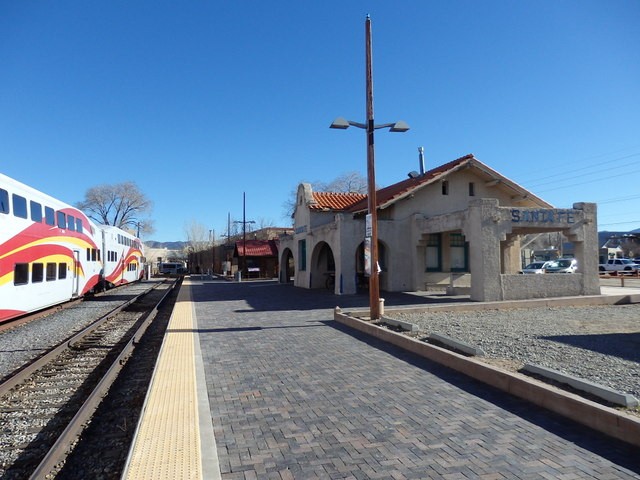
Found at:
(323, 266)
(362, 280)
(287, 266)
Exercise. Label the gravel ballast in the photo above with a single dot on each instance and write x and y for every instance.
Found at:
(600, 344)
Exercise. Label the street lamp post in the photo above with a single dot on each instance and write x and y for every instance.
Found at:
(400, 126)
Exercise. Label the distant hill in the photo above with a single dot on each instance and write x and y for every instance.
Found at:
(167, 245)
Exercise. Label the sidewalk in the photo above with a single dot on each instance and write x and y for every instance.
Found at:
(295, 395)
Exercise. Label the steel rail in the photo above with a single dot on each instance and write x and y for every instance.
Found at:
(59, 451)
(24, 373)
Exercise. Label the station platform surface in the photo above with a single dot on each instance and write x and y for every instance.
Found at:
(257, 381)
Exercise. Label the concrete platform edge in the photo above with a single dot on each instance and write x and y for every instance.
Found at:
(598, 417)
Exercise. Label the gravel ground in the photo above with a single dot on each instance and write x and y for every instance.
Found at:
(596, 343)
(21, 344)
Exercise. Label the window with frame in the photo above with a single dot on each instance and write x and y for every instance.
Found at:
(21, 274)
(302, 254)
(61, 220)
(36, 211)
(37, 272)
(472, 189)
(445, 187)
(4, 201)
(49, 216)
(19, 206)
(71, 223)
(51, 271)
(62, 270)
(79, 227)
(434, 253)
(459, 253)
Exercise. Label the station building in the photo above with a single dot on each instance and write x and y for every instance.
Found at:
(456, 228)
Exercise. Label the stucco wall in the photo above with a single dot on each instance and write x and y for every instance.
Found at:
(520, 287)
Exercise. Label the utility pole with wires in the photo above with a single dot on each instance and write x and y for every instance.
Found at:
(244, 234)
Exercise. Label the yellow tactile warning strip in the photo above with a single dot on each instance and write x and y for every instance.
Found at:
(167, 443)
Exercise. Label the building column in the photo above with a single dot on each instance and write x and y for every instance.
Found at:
(484, 232)
(585, 239)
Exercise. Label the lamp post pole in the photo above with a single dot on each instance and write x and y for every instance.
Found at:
(371, 236)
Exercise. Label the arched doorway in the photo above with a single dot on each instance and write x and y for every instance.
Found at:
(323, 266)
(362, 281)
(287, 266)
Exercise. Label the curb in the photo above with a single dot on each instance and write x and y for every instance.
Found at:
(603, 419)
(606, 393)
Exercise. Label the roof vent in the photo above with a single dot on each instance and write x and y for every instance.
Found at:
(413, 174)
(421, 157)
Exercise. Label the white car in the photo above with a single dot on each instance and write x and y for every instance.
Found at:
(562, 265)
(535, 267)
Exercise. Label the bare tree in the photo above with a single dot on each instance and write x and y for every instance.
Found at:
(351, 182)
(120, 205)
(197, 236)
(263, 222)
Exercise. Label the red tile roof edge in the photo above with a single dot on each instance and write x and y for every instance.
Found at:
(335, 201)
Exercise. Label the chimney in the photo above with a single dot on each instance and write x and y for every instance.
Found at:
(421, 156)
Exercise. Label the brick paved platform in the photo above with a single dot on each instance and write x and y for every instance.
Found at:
(295, 395)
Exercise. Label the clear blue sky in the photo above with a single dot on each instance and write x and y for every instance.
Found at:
(198, 101)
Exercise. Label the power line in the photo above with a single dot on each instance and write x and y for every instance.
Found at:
(599, 163)
(617, 200)
(619, 223)
(624, 174)
(597, 172)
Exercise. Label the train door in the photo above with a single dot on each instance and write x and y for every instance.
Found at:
(75, 277)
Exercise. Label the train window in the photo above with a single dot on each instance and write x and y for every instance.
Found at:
(19, 206)
(79, 225)
(51, 271)
(88, 254)
(36, 211)
(21, 274)
(49, 216)
(37, 272)
(94, 255)
(71, 223)
(62, 219)
(98, 255)
(4, 201)
(62, 270)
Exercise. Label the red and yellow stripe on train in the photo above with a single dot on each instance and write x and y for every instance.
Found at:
(50, 252)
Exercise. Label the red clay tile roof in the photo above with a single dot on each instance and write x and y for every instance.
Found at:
(257, 248)
(335, 201)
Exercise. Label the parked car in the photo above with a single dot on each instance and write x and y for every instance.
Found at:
(636, 260)
(619, 265)
(562, 265)
(535, 267)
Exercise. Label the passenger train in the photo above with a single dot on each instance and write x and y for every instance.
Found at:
(50, 252)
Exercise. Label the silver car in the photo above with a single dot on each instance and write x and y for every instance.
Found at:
(535, 267)
(562, 265)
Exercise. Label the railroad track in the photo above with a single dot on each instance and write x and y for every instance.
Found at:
(46, 405)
